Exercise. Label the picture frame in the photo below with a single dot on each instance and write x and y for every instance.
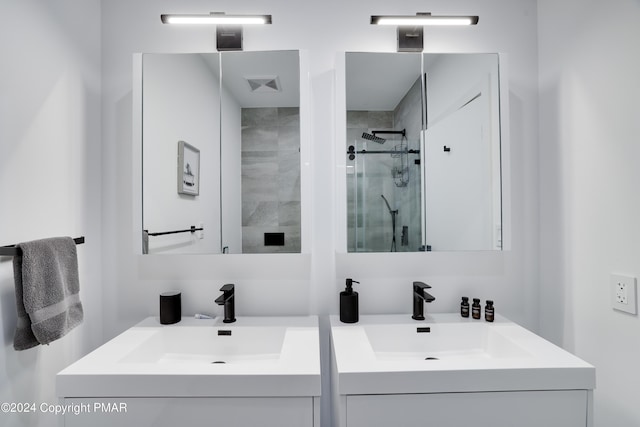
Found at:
(188, 169)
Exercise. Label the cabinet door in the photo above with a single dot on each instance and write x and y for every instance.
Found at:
(564, 408)
(171, 412)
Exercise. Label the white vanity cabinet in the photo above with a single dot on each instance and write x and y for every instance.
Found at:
(257, 371)
(566, 408)
(390, 370)
(192, 411)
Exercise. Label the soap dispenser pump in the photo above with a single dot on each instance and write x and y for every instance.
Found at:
(349, 303)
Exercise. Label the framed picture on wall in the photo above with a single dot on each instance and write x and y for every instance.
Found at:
(188, 169)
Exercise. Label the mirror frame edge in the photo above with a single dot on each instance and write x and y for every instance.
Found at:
(136, 154)
(340, 162)
(505, 150)
(306, 164)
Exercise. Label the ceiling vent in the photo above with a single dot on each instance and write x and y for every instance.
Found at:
(264, 84)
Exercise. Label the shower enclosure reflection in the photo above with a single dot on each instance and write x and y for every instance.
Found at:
(423, 152)
(384, 121)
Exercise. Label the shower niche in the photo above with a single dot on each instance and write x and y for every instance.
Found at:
(423, 157)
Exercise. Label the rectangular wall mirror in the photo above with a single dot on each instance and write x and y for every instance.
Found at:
(221, 153)
(423, 152)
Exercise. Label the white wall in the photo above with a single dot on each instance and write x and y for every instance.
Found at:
(458, 182)
(589, 177)
(463, 186)
(181, 97)
(50, 175)
(309, 282)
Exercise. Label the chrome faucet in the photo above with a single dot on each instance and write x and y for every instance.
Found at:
(419, 295)
(228, 300)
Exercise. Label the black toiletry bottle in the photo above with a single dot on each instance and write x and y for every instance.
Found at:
(475, 308)
(464, 307)
(349, 303)
(489, 311)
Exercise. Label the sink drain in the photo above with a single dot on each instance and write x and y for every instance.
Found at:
(218, 362)
(431, 358)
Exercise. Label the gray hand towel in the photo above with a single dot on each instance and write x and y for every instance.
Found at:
(47, 291)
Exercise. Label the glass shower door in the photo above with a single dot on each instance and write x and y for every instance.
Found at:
(384, 195)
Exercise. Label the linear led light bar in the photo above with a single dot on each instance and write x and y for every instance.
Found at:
(217, 19)
(423, 19)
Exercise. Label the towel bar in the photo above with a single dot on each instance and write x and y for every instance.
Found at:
(13, 250)
(192, 229)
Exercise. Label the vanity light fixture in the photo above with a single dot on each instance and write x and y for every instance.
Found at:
(410, 28)
(216, 18)
(229, 27)
(423, 19)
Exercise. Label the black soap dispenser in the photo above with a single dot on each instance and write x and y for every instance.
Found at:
(349, 303)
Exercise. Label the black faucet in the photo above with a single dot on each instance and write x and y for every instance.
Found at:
(228, 300)
(419, 294)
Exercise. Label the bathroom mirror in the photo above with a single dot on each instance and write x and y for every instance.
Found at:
(260, 169)
(423, 152)
(221, 152)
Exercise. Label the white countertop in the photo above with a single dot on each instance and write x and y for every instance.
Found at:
(264, 356)
(384, 354)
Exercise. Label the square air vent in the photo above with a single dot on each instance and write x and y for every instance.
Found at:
(265, 84)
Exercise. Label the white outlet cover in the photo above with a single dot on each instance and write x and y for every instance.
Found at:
(629, 283)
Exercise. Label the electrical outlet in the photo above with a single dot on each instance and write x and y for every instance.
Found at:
(623, 293)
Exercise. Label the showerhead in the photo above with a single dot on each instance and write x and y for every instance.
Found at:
(373, 138)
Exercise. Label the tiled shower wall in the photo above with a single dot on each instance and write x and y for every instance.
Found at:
(270, 178)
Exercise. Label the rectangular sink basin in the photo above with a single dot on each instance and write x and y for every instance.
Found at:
(390, 354)
(214, 345)
(446, 341)
(255, 356)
